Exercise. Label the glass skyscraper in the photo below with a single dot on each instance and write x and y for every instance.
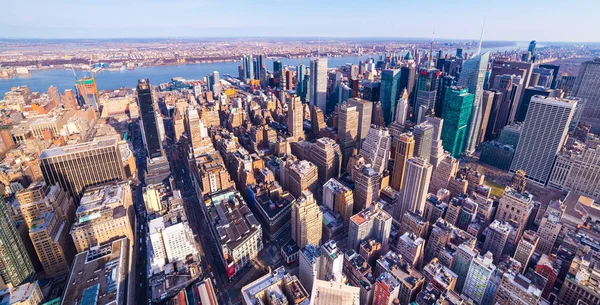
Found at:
(148, 113)
(16, 266)
(390, 80)
(472, 76)
(458, 105)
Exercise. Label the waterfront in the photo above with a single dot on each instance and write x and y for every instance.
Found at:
(40, 80)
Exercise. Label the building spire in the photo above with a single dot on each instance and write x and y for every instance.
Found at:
(481, 37)
(431, 50)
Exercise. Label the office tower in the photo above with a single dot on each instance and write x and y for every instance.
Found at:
(515, 206)
(525, 248)
(435, 208)
(248, 63)
(587, 87)
(333, 293)
(372, 223)
(149, 113)
(426, 92)
(439, 276)
(472, 76)
(535, 154)
(295, 118)
(576, 169)
(325, 153)
(566, 83)
(15, 264)
(104, 213)
(496, 239)
(442, 174)
(408, 74)
(317, 121)
(413, 223)
(377, 116)
(309, 261)
(300, 88)
(397, 126)
(415, 185)
(518, 181)
(40, 198)
(242, 72)
(276, 287)
(461, 211)
(347, 129)
(580, 285)
(389, 93)
(438, 238)
(527, 95)
(367, 182)
(306, 220)
(486, 105)
(88, 91)
(548, 267)
(458, 105)
(478, 277)
(531, 47)
(318, 82)
(376, 148)
(550, 226)
(301, 175)
(411, 247)
(338, 198)
(75, 167)
(172, 241)
(423, 134)
(69, 100)
(437, 150)
(200, 142)
(410, 281)
(53, 245)
(463, 257)
(365, 110)
(332, 262)
(404, 150)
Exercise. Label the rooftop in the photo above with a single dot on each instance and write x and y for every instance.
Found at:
(77, 148)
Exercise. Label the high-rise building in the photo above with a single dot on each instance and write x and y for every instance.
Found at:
(576, 169)
(587, 87)
(373, 223)
(104, 214)
(518, 289)
(88, 92)
(526, 247)
(415, 186)
(318, 82)
(306, 220)
(15, 264)
(472, 76)
(300, 176)
(172, 241)
(365, 110)
(566, 83)
(495, 241)
(325, 153)
(446, 169)
(478, 277)
(550, 226)
(347, 129)
(40, 198)
(295, 118)
(195, 127)
(515, 206)
(426, 93)
(548, 267)
(338, 198)
(376, 148)
(527, 95)
(535, 154)
(53, 245)
(458, 105)
(405, 145)
(437, 149)
(300, 88)
(333, 293)
(580, 285)
(423, 134)
(366, 187)
(276, 287)
(149, 113)
(75, 167)
(463, 257)
(397, 126)
(389, 93)
(412, 247)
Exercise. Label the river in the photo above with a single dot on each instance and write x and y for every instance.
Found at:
(40, 80)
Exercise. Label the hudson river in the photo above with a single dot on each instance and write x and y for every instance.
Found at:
(40, 80)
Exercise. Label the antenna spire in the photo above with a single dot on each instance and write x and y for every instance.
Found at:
(431, 49)
(481, 38)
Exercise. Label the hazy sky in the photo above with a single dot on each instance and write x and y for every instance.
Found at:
(522, 20)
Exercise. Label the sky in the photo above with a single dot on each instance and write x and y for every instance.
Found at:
(511, 20)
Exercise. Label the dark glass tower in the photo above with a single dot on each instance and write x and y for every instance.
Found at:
(15, 265)
(149, 128)
(458, 105)
(390, 83)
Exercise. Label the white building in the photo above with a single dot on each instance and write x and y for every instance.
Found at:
(318, 83)
(170, 243)
(376, 148)
(478, 277)
(415, 185)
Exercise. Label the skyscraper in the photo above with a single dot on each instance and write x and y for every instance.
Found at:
(318, 82)
(376, 148)
(427, 87)
(75, 167)
(295, 118)
(389, 93)
(478, 277)
(437, 150)
(535, 154)
(325, 153)
(300, 88)
(415, 185)
(306, 220)
(496, 239)
(587, 87)
(365, 110)
(404, 150)
(16, 267)
(338, 198)
(148, 113)
(371, 223)
(472, 76)
(458, 105)
(347, 129)
(423, 134)
(52, 242)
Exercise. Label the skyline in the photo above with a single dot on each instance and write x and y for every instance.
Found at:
(283, 18)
